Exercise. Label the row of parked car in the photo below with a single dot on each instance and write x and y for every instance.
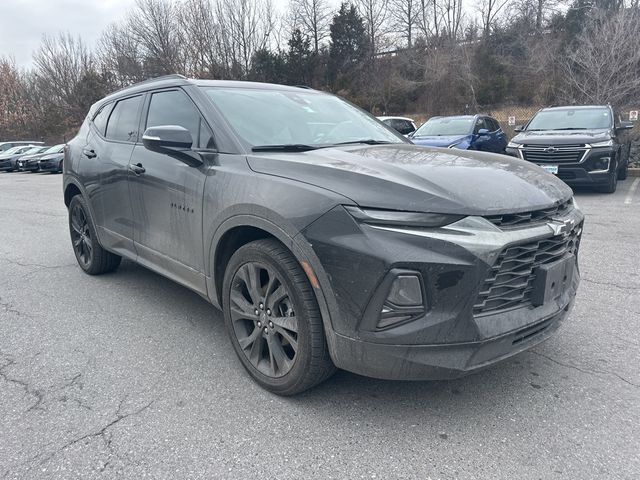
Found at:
(26, 156)
(586, 146)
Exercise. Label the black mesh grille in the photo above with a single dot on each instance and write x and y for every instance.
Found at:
(514, 220)
(510, 281)
(555, 154)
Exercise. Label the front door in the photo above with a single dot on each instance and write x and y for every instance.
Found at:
(166, 195)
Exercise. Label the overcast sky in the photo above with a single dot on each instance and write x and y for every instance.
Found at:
(23, 22)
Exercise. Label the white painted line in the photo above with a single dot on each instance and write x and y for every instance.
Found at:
(634, 186)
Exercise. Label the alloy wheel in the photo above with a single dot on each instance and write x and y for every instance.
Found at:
(81, 235)
(264, 320)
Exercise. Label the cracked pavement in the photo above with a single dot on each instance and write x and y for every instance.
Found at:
(129, 375)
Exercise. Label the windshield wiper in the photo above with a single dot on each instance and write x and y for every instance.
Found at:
(366, 141)
(570, 128)
(287, 147)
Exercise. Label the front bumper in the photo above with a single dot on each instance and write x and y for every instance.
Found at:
(453, 336)
(587, 172)
(50, 166)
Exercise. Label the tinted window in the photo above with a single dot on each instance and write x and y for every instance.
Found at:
(175, 108)
(493, 124)
(100, 120)
(123, 121)
(572, 119)
(446, 126)
(275, 117)
(405, 127)
(480, 124)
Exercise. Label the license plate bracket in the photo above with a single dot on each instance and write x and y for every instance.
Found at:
(551, 280)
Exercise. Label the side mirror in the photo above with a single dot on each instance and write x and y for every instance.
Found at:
(172, 140)
(518, 128)
(625, 126)
(483, 132)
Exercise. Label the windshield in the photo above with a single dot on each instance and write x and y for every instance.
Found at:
(286, 117)
(12, 150)
(571, 119)
(54, 149)
(33, 150)
(445, 126)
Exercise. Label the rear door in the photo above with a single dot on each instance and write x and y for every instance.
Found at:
(167, 196)
(110, 143)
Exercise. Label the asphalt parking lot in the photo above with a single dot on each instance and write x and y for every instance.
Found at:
(129, 375)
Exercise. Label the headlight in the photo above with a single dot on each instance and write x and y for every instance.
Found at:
(395, 217)
(575, 203)
(514, 145)
(607, 143)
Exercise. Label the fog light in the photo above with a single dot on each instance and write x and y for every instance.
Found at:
(601, 165)
(405, 301)
(405, 291)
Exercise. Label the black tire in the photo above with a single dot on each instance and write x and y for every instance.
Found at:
(264, 275)
(91, 257)
(624, 170)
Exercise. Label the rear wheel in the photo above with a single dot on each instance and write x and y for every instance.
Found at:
(91, 257)
(273, 319)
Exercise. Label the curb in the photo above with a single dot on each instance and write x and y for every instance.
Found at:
(634, 172)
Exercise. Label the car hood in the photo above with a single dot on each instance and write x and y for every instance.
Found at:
(52, 156)
(438, 140)
(31, 157)
(562, 137)
(406, 177)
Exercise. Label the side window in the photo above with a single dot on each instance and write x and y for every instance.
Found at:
(175, 108)
(493, 124)
(480, 124)
(100, 118)
(123, 121)
(407, 128)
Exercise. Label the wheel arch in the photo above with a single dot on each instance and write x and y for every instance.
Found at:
(242, 229)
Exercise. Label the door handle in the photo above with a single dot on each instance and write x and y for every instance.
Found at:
(137, 168)
(89, 153)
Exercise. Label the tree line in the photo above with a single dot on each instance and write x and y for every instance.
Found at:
(388, 56)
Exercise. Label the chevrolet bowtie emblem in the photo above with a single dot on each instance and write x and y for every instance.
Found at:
(561, 227)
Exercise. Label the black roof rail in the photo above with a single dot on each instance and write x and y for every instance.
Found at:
(306, 87)
(175, 76)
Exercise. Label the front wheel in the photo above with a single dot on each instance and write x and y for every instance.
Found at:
(624, 170)
(91, 257)
(273, 319)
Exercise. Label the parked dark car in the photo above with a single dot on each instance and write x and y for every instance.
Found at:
(29, 161)
(52, 159)
(584, 146)
(466, 132)
(9, 159)
(327, 238)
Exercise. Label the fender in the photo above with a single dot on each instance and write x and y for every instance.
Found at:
(70, 179)
(302, 251)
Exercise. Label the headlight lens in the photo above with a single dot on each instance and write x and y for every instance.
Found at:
(607, 143)
(395, 217)
(514, 145)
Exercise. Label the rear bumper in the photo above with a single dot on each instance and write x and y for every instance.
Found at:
(441, 361)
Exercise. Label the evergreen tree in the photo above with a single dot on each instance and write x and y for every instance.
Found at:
(349, 46)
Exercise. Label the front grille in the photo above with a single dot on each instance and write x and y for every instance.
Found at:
(510, 281)
(517, 220)
(554, 154)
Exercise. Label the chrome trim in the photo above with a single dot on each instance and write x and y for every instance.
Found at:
(587, 149)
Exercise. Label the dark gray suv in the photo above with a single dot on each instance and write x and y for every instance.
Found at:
(325, 237)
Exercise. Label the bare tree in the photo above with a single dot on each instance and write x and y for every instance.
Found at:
(120, 55)
(374, 13)
(154, 24)
(312, 17)
(404, 15)
(245, 28)
(200, 31)
(605, 67)
(489, 11)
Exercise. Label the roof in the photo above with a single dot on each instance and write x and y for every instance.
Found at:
(574, 107)
(396, 118)
(176, 80)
